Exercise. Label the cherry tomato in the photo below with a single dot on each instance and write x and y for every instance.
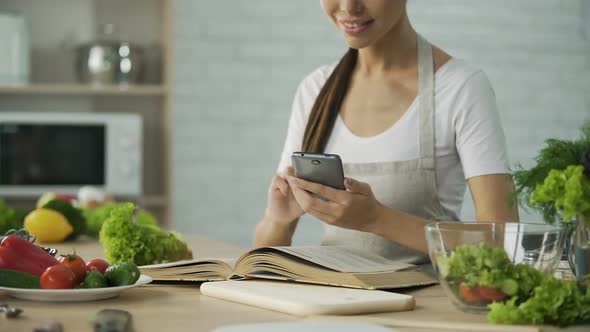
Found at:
(98, 264)
(469, 294)
(58, 277)
(490, 294)
(76, 264)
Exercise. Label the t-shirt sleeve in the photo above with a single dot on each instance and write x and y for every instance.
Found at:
(295, 129)
(479, 136)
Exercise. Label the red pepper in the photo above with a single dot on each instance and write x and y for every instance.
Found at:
(10, 260)
(29, 255)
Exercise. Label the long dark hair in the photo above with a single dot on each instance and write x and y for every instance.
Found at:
(327, 105)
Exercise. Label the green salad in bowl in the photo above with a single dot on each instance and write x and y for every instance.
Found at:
(477, 275)
(506, 270)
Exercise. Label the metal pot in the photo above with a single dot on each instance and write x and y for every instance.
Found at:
(109, 62)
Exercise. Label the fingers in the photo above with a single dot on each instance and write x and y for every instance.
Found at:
(329, 219)
(330, 193)
(313, 205)
(279, 183)
(288, 171)
(355, 186)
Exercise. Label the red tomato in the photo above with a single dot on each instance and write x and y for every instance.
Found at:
(58, 277)
(98, 264)
(490, 294)
(76, 264)
(469, 294)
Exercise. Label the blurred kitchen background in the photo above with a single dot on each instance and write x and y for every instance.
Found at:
(218, 77)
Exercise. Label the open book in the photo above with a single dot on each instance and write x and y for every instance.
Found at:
(328, 265)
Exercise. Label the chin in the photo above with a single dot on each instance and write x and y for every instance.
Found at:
(358, 43)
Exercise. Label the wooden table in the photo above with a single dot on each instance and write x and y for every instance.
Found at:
(182, 308)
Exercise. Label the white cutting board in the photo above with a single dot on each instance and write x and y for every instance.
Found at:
(305, 300)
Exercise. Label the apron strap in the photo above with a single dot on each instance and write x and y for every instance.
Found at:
(426, 103)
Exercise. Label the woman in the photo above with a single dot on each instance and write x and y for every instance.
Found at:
(410, 124)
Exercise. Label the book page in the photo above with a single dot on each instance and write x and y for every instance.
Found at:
(344, 259)
(229, 261)
(399, 279)
(191, 270)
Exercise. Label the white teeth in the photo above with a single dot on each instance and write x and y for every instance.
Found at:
(353, 25)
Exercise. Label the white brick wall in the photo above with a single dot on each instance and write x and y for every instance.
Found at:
(239, 62)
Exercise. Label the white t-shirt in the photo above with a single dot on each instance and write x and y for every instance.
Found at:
(468, 132)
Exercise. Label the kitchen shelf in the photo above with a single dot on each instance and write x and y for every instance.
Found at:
(74, 89)
(54, 85)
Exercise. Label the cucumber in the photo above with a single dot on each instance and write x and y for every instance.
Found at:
(509, 287)
(17, 279)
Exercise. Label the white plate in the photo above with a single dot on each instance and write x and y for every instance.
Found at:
(72, 295)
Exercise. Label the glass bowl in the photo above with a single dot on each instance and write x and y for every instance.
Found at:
(473, 260)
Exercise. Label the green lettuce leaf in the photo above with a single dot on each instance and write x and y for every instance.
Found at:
(568, 190)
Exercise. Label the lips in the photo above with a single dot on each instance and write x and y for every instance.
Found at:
(355, 26)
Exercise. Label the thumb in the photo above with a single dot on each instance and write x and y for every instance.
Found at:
(290, 171)
(287, 171)
(355, 186)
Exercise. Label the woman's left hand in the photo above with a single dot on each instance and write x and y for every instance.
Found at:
(353, 208)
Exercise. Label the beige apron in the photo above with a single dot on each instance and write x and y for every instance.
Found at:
(408, 186)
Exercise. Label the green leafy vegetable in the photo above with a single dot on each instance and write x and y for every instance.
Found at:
(527, 278)
(568, 190)
(145, 218)
(95, 217)
(556, 155)
(536, 299)
(10, 218)
(554, 301)
(72, 214)
(126, 241)
(479, 265)
(484, 265)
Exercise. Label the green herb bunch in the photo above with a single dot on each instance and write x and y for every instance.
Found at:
(556, 155)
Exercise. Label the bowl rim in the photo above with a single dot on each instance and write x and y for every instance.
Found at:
(545, 228)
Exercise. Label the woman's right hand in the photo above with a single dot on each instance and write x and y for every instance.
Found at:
(282, 206)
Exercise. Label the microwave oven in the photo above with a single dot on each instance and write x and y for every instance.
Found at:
(60, 152)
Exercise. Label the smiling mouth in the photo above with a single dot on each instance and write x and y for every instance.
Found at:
(355, 27)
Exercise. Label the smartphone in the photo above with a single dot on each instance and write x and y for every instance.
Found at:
(320, 168)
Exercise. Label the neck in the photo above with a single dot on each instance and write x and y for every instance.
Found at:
(395, 50)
